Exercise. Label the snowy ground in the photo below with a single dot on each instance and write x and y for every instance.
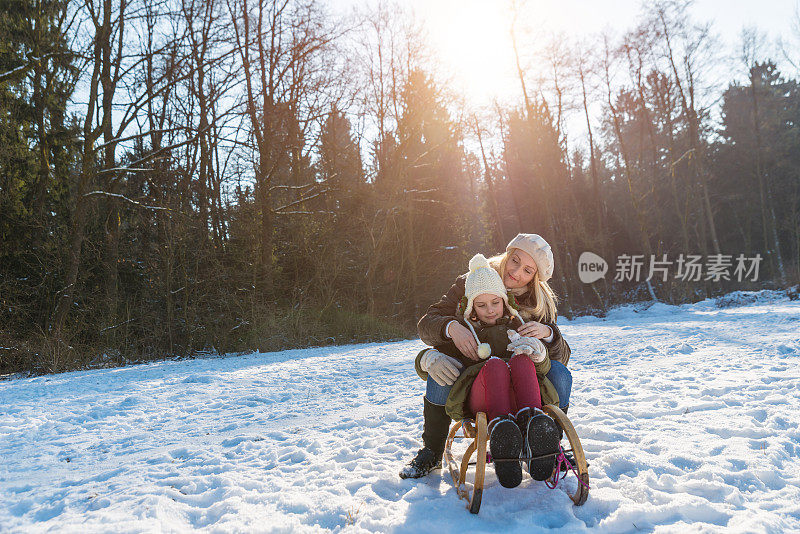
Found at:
(689, 417)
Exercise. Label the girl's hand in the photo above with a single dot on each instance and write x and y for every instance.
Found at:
(530, 346)
(534, 329)
(464, 340)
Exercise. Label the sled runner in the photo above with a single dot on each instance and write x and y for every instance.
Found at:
(477, 431)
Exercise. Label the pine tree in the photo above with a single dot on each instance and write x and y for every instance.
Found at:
(759, 163)
(37, 78)
(427, 182)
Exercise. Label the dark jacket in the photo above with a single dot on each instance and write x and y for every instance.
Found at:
(457, 406)
(431, 326)
(495, 335)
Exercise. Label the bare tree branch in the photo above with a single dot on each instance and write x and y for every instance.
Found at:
(123, 197)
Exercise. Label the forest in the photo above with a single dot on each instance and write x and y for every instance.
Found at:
(183, 177)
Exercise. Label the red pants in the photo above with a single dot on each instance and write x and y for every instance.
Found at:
(505, 388)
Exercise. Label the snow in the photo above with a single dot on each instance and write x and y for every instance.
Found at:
(689, 416)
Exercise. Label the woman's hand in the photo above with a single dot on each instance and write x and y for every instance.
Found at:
(534, 329)
(464, 340)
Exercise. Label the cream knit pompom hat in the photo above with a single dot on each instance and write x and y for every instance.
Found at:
(539, 250)
(482, 278)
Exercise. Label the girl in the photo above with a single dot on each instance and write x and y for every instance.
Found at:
(525, 267)
(509, 386)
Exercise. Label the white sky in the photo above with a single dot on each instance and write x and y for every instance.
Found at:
(472, 40)
(472, 36)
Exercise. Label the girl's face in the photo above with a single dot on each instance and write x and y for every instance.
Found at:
(520, 269)
(488, 308)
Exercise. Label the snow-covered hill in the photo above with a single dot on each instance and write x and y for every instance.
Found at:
(689, 417)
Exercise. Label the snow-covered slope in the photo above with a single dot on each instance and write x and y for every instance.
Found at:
(689, 417)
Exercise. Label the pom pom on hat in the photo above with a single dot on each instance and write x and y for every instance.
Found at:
(478, 261)
(484, 350)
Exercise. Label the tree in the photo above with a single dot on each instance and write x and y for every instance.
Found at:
(422, 187)
(760, 129)
(37, 151)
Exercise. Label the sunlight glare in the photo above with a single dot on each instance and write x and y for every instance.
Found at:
(472, 41)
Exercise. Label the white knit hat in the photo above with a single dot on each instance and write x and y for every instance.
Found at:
(482, 278)
(539, 250)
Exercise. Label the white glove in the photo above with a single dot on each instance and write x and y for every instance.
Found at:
(442, 368)
(530, 346)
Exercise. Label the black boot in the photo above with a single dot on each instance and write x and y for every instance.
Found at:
(434, 436)
(542, 438)
(436, 427)
(423, 463)
(505, 443)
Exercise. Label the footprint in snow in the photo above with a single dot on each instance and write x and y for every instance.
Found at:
(685, 464)
(180, 454)
(197, 379)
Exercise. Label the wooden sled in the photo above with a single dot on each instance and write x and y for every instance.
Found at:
(477, 431)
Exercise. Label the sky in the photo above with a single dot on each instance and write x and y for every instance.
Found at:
(472, 38)
(472, 41)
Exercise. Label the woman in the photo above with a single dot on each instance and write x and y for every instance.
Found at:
(525, 268)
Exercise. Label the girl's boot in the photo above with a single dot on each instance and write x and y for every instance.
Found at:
(505, 443)
(542, 437)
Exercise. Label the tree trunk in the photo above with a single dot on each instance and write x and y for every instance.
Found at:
(598, 201)
(498, 221)
(768, 223)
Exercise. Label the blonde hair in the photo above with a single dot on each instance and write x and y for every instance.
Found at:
(539, 301)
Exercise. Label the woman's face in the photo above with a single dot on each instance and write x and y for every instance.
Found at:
(520, 269)
(488, 308)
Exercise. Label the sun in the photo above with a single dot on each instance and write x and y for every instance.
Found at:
(471, 40)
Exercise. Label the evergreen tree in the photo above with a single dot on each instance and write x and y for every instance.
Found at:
(427, 183)
(37, 149)
(757, 166)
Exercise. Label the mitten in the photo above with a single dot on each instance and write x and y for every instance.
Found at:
(530, 346)
(442, 368)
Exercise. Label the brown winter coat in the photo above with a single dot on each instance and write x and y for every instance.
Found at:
(431, 326)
